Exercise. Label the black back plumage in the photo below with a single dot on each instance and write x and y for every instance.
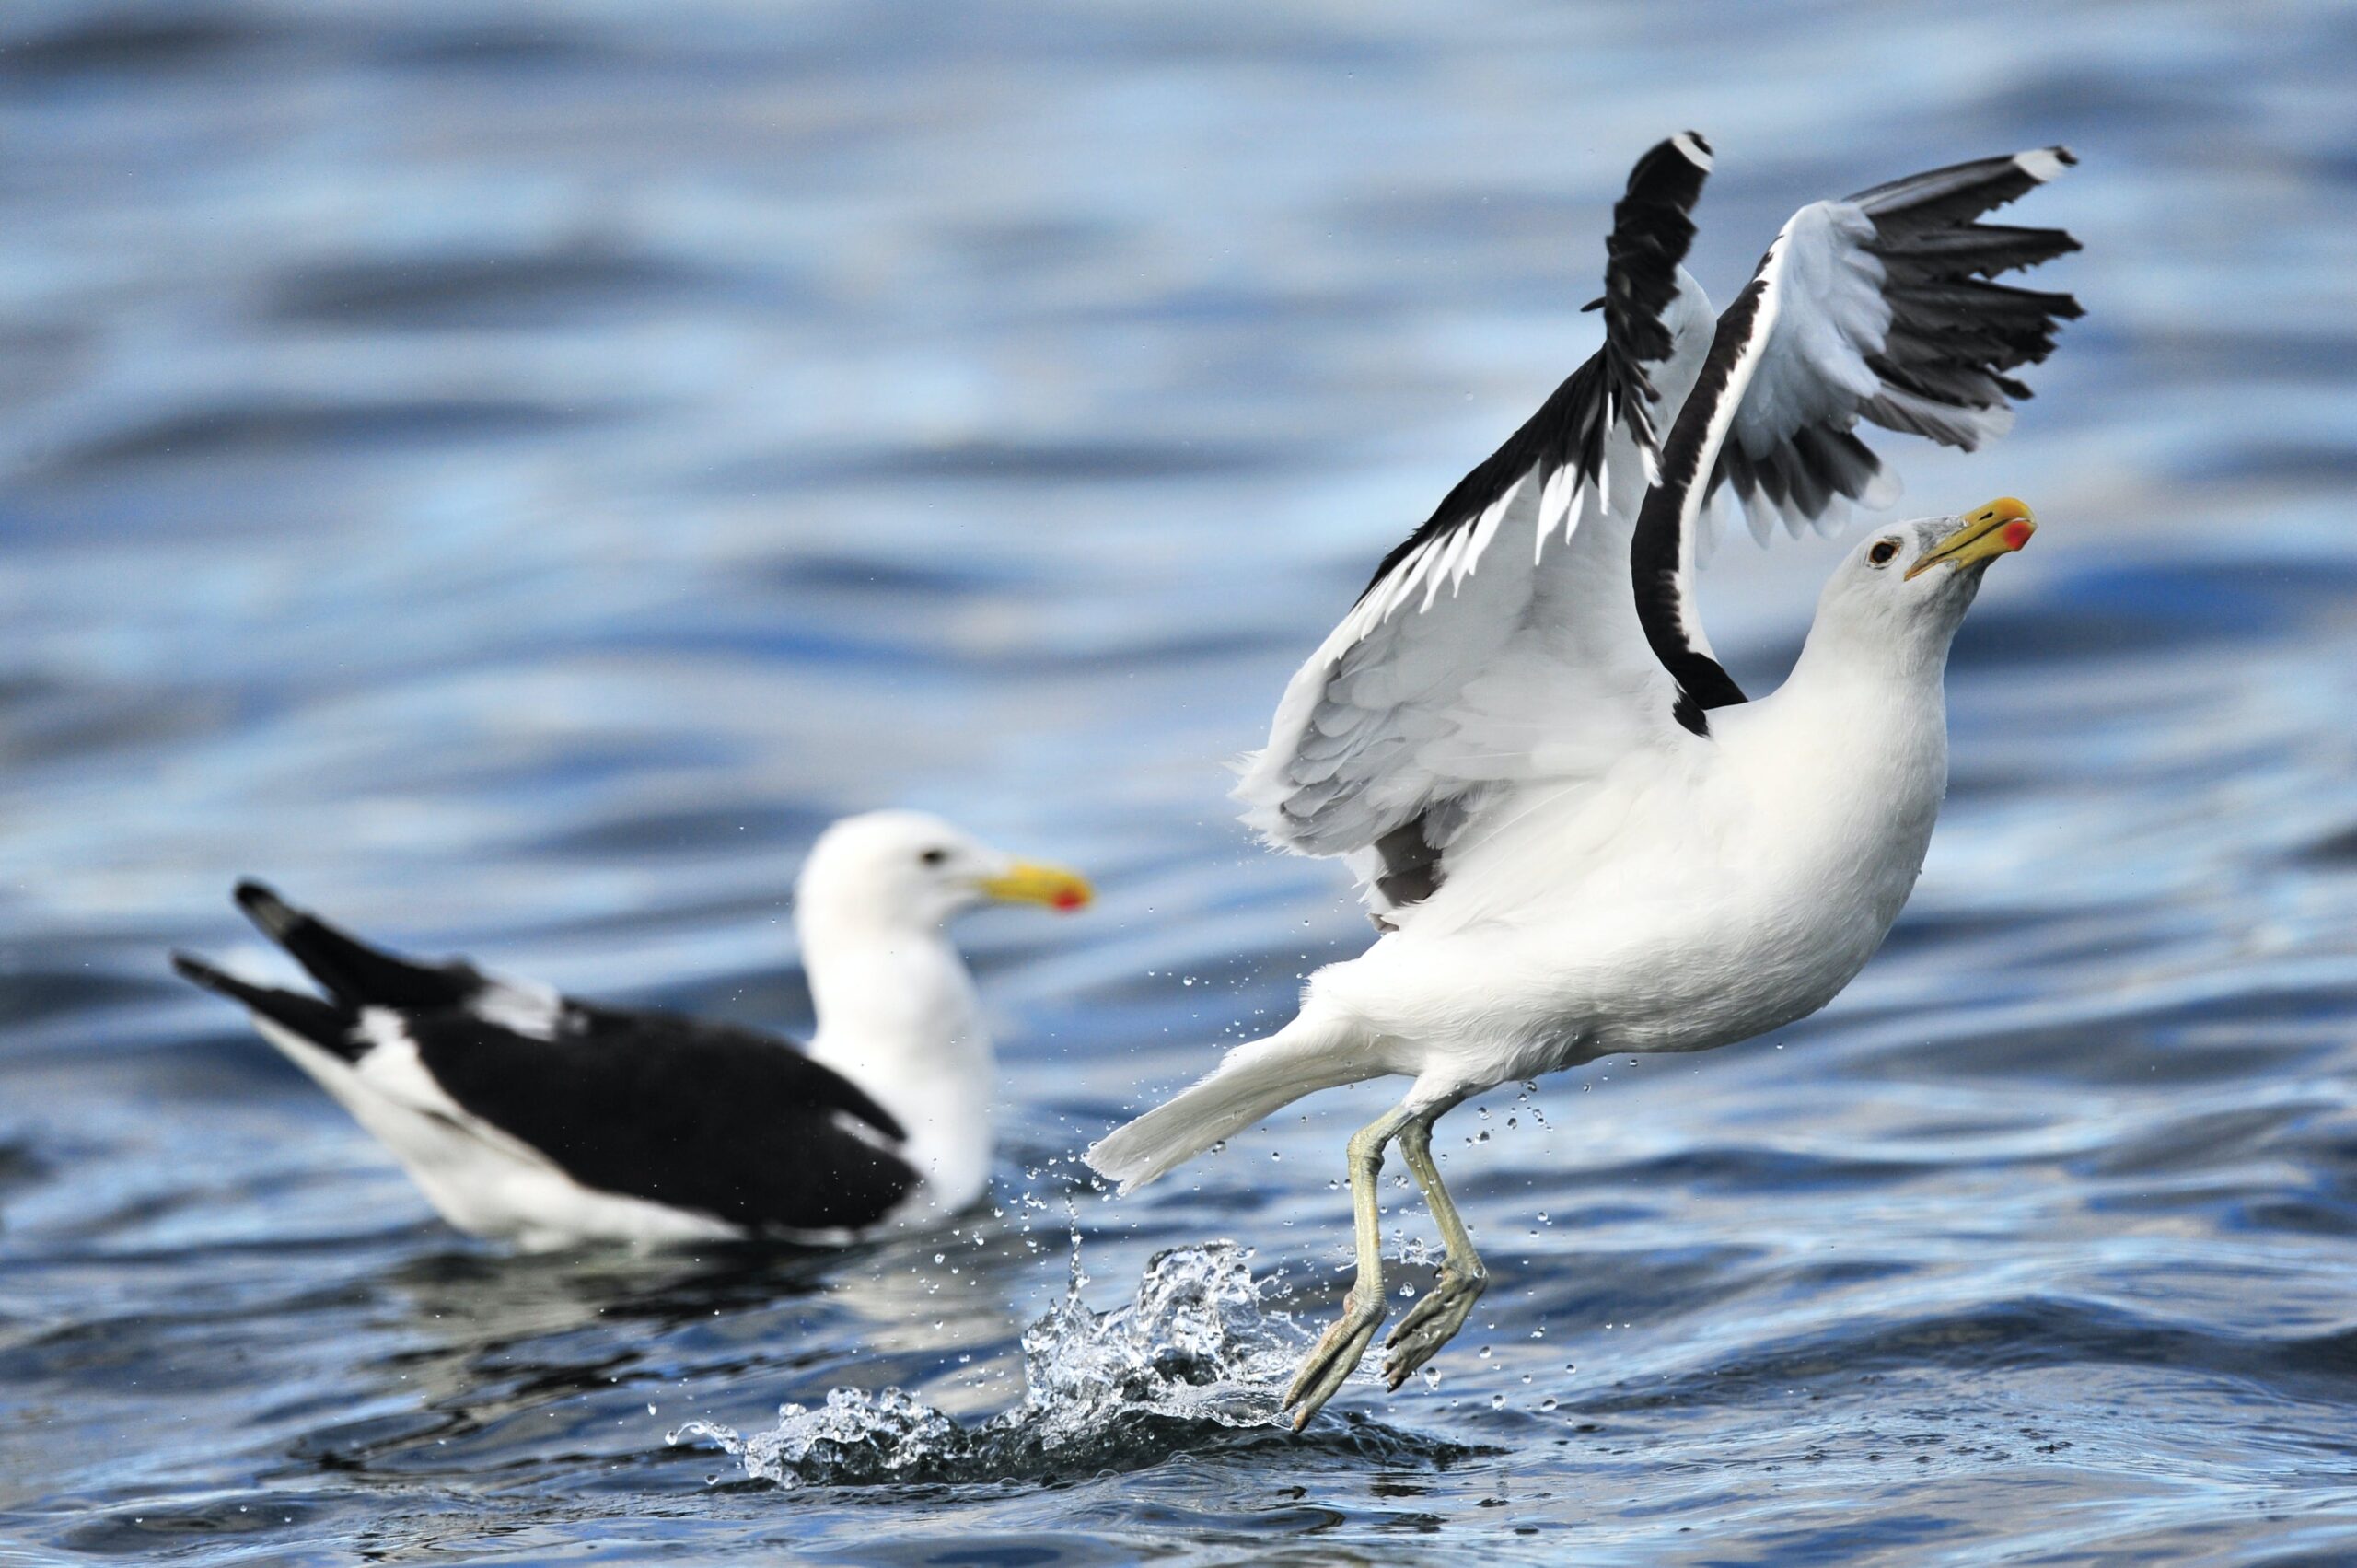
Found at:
(705, 1116)
(696, 1115)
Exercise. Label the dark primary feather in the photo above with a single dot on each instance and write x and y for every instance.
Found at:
(1955, 193)
(350, 969)
(323, 1023)
(1652, 229)
(1953, 332)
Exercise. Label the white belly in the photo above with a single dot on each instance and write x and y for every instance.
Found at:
(1662, 914)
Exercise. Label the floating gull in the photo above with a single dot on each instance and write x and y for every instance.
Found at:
(1576, 834)
(528, 1115)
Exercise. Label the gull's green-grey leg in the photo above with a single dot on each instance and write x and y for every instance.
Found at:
(1434, 1320)
(1336, 1356)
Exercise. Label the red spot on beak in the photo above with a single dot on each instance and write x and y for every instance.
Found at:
(1071, 899)
(2018, 532)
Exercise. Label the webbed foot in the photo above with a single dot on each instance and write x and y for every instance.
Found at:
(1434, 1321)
(1332, 1359)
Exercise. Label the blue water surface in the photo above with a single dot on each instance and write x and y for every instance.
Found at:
(510, 473)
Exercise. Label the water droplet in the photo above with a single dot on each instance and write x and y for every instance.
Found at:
(1548, 1403)
(1431, 1377)
(1497, 1401)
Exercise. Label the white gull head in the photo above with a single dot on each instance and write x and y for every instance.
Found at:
(1899, 597)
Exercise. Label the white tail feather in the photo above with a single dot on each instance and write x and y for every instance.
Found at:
(1252, 1081)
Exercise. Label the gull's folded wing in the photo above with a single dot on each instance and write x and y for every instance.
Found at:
(697, 1115)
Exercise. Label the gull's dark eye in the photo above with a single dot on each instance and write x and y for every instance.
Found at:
(1883, 551)
(934, 856)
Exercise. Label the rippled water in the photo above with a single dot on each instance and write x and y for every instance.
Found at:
(509, 474)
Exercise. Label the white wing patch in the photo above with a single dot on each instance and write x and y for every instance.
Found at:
(2042, 164)
(393, 1068)
(520, 1007)
(394, 1071)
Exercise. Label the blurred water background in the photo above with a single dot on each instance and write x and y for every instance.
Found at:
(510, 473)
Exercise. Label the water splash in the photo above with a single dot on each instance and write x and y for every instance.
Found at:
(1191, 1349)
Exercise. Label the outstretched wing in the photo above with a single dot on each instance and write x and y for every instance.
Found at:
(1876, 308)
(1463, 668)
(1887, 312)
(1504, 621)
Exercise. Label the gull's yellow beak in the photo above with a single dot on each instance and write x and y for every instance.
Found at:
(1028, 882)
(1999, 528)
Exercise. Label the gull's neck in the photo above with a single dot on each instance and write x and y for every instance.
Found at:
(1867, 706)
(1850, 759)
(898, 1016)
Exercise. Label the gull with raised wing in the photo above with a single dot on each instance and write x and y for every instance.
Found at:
(1575, 835)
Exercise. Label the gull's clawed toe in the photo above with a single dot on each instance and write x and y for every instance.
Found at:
(1431, 1322)
(1331, 1360)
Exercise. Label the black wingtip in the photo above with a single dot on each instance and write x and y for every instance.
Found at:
(195, 970)
(324, 1024)
(1670, 174)
(266, 909)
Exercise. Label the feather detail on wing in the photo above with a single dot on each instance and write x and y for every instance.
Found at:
(1865, 308)
(1467, 662)
(1889, 314)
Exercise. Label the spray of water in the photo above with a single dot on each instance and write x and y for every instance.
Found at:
(1193, 1348)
